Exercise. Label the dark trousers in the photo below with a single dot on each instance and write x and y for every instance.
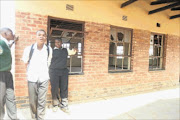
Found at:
(37, 98)
(7, 95)
(59, 79)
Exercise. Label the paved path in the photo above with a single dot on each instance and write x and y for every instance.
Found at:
(161, 105)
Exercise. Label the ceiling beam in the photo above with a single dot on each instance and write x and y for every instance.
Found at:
(127, 3)
(162, 2)
(174, 16)
(176, 8)
(164, 8)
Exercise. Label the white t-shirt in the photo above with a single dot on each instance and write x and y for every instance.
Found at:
(38, 67)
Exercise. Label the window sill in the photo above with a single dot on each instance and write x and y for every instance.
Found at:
(156, 70)
(76, 73)
(127, 71)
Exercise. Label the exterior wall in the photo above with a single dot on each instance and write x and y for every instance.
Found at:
(96, 82)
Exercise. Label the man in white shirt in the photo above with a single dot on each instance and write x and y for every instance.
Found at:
(37, 58)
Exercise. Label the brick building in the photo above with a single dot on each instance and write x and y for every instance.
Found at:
(121, 51)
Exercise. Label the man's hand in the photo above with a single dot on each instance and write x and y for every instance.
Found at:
(16, 38)
(75, 50)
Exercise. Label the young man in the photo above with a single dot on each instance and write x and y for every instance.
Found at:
(6, 80)
(59, 76)
(37, 58)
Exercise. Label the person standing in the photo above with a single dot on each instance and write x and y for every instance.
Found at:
(6, 80)
(37, 58)
(59, 76)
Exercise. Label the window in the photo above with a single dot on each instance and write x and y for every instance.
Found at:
(156, 51)
(72, 36)
(120, 49)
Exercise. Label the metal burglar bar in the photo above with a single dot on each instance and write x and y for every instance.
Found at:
(72, 36)
(120, 49)
(156, 52)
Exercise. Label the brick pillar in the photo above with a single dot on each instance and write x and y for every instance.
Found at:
(26, 26)
(140, 52)
(96, 48)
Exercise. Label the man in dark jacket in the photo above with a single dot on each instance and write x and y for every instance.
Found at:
(59, 76)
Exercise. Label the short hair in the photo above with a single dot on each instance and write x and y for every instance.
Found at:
(41, 30)
(58, 39)
(2, 30)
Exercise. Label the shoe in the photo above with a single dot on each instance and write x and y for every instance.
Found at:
(55, 108)
(65, 109)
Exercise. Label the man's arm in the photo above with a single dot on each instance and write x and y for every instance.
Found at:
(15, 40)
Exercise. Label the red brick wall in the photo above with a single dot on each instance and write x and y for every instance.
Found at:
(96, 82)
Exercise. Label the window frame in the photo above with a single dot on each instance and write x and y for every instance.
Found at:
(82, 41)
(162, 54)
(127, 56)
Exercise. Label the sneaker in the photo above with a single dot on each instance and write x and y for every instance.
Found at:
(55, 108)
(65, 109)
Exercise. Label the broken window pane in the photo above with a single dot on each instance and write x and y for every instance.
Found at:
(112, 38)
(151, 50)
(111, 63)
(56, 33)
(155, 39)
(80, 35)
(160, 40)
(76, 64)
(127, 37)
(79, 49)
(126, 49)
(112, 48)
(113, 34)
(66, 45)
(119, 50)
(120, 36)
(155, 63)
(119, 63)
(65, 39)
(126, 64)
(150, 63)
(159, 51)
(156, 51)
(152, 40)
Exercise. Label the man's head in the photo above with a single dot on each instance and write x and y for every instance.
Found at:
(58, 43)
(7, 34)
(41, 36)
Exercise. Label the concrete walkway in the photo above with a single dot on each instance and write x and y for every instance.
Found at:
(161, 105)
